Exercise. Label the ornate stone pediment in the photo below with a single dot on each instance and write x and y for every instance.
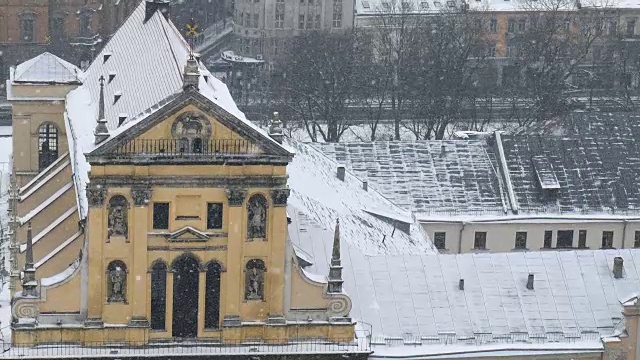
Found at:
(187, 234)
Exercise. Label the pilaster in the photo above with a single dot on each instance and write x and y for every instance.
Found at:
(96, 195)
(141, 197)
(232, 297)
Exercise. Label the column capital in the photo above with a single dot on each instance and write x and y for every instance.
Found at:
(236, 196)
(96, 194)
(280, 196)
(141, 195)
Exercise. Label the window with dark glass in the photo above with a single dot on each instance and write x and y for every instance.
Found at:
(84, 28)
(521, 240)
(493, 25)
(511, 25)
(607, 239)
(197, 145)
(47, 145)
(636, 240)
(214, 216)
(161, 215)
(439, 239)
(337, 13)
(565, 239)
(480, 240)
(548, 238)
(522, 25)
(212, 297)
(631, 27)
(58, 28)
(27, 28)
(158, 296)
(582, 239)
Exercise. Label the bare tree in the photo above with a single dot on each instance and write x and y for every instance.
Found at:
(317, 81)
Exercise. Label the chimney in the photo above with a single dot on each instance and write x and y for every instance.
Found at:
(365, 185)
(191, 73)
(618, 265)
(101, 132)
(341, 171)
(275, 128)
(156, 5)
(530, 282)
(461, 284)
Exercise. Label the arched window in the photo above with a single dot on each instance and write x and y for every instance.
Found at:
(118, 219)
(47, 145)
(158, 295)
(257, 217)
(212, 297)
(254, 280)
(116, 281)
(197, 145)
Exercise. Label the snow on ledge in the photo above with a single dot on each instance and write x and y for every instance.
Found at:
(60, 277)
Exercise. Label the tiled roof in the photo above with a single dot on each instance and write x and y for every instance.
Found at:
(427, 176)
(46, 68)
(416, 297)
(368, 221)
(596, 174)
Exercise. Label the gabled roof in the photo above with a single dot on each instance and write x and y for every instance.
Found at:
(427, 177)
(176, 103)
(46, 68)
(143, 63)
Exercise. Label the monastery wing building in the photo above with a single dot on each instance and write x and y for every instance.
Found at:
(151, 218)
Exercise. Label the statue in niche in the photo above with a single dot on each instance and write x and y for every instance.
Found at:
(254, 282)
(117, 222)
(117, 277)
(257, 217)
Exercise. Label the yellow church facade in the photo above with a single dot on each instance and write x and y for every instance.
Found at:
(171, 226)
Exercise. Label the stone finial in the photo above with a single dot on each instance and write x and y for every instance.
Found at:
(29, 282)
(191, 73)
(101, 132)
(275, 128)
(335, 270)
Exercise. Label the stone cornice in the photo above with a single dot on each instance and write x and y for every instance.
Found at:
(191, 181)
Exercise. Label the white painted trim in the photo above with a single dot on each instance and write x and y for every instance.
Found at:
(45, 180)
(43, 172)
(50, 227)
(505, 173)
(46, 203)
(58, 249)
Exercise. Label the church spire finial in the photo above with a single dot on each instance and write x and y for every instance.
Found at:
(101, 133)
(29, 282)
(191, 73)
(335, 270)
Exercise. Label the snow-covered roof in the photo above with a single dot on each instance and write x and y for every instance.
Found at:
(148, 60)
(404, 7)
(46, 68)
(454, 177)
(549, 5)
(415, 301)
(368, 221)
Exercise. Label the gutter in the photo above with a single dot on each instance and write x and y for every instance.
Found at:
(505, 173)
(624, 231)
(464, 223)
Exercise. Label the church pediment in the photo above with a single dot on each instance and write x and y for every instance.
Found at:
(190, 128)
(187, 234)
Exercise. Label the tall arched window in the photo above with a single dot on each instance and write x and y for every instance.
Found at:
(158, 296)
(47, 145)
(254, 280)
(257, 217)
(118, 218)
(116, 281)
(212, 296)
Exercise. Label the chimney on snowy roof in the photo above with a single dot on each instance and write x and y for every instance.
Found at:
(341, 172)
(365, 185)
(530, 282)
(156, 5)
(191, 73)
(101, 133)
(461, 284)
(618, 265)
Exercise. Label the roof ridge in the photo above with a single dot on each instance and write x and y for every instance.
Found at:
(173, 53)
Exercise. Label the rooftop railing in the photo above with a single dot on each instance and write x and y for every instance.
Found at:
(192, 147)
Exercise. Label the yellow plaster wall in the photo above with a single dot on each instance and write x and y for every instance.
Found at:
(306, 294)
(63, 298)
(45, 191)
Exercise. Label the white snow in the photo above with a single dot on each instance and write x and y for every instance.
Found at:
(45, 68)
(45, 203)
(60, 277)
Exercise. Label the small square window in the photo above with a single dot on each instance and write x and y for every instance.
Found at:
(386, 5)
(451, 4)
(521, 240)
(161, 215)
(607, 239)
(636, 240)
(424, 4)
(439, 240)
(365, 4)
(480, 240)
(214, 216)
(582, 239)
(548, 238)
(437, 4)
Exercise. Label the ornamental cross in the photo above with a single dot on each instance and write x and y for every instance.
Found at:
(192, 28)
